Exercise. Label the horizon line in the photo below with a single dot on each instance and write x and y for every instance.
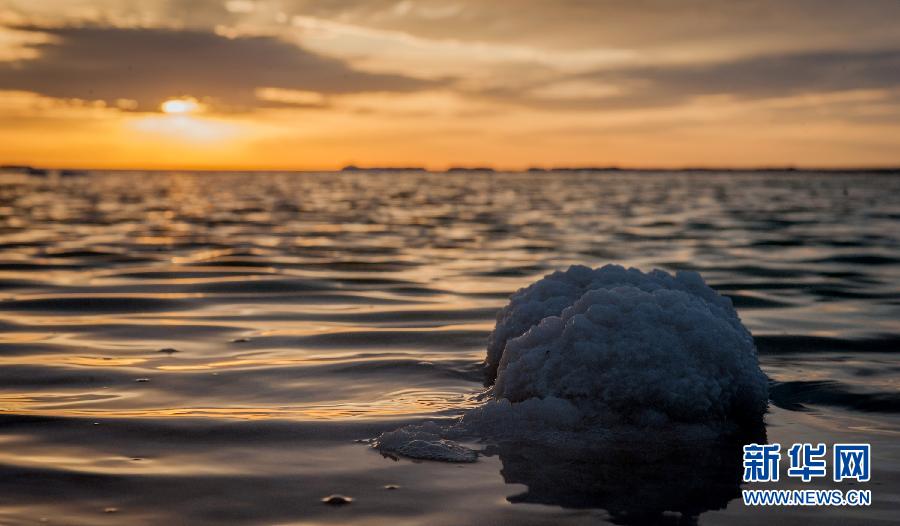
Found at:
(38, 170)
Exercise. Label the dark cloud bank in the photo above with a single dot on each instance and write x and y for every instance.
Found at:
(150, 65)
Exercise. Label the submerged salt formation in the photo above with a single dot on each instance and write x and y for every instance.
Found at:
(426, 442)
(588, 355)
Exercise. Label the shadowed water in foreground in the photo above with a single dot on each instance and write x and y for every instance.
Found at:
(210, 348)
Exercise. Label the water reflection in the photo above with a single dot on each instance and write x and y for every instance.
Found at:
(649, 483)
(311, 310)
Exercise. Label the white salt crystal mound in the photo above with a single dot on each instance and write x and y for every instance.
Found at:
(587, 357)
(625, 347)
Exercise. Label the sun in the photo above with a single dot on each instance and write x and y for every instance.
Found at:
(180, 106)
(185, 119)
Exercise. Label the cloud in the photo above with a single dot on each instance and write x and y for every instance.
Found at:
(149, 65)
(647, 24)
(767, 76)
(750, 78)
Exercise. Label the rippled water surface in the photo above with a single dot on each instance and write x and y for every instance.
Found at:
(210, 348)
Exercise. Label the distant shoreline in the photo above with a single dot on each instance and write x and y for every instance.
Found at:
(70, 171)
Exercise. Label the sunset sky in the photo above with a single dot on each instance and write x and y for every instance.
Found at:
(317, 84)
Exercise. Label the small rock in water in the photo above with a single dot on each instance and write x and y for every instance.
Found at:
(240, 340)
(337, 500)
(110, 510)
(392, 487)
(142, 380)
(168, 350)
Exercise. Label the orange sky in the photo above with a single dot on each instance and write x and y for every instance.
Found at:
(303, 84)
